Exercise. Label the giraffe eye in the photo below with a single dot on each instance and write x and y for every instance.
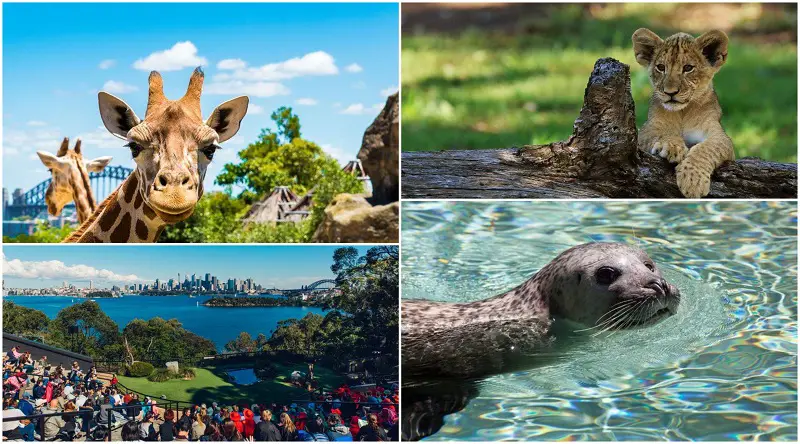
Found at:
(209, 150)
(135, 149)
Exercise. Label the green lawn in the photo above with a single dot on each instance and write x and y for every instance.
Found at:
(494, 89)
(210, 385)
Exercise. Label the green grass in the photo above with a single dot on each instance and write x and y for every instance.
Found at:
(210, 385)
(479, 89)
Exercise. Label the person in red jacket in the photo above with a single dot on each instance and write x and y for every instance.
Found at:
(249, 423)
(237, 422)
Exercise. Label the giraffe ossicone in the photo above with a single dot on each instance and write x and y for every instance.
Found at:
(172, 148)
(70, 179)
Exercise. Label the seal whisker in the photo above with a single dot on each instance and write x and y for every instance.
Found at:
(615, 309)
(620, 317)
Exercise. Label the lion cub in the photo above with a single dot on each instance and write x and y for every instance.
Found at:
(683, 121)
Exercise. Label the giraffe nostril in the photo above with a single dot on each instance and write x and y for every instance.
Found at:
(162, 180)
(185, 180)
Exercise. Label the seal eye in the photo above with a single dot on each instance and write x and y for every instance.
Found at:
(210, 150)
(660, 67)
(688, 68)
(135, 148)
(650, 266)
(606, 275)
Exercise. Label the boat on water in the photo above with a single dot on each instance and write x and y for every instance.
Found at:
(191, 296)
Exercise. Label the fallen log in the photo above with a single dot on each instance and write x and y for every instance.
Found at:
(599, 160)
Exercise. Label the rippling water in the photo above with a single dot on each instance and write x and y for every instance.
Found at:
(723, 368)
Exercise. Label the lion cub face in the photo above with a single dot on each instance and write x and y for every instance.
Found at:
(680, 65)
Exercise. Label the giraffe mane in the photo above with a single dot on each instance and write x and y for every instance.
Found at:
(78, 233)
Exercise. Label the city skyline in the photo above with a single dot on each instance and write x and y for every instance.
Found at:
(334, 64)
(274, 266)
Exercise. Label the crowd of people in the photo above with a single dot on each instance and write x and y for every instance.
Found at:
(104, 412)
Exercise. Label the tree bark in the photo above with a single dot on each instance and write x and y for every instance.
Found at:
(600, 159)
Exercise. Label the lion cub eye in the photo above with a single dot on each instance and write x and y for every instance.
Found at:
(688, 68)
(660, 67)
(606, 275)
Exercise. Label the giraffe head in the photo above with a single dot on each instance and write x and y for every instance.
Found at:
(173, 145)
(70, 178)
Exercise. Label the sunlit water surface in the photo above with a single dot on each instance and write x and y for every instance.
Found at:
(723, 368)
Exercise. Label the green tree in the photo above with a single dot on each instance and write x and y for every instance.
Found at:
(242, 344)
(369, 291)
(24, 321)
(44, 233)
(161, 340)
(216, 218)
(95, 330)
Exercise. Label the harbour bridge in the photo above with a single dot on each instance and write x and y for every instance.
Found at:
(320, 285)
(31, 203)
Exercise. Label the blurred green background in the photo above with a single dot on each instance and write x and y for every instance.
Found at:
(500, 75)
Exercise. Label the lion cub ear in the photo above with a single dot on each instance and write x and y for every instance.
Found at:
(645, 43)
(714, 46)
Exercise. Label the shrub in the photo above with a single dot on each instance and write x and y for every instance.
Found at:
(165, 374)
(140, 369)
(161, 375)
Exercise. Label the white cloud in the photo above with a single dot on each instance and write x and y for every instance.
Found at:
(59, 270)
(252, 108)
(389, 91)
(106, 64)
(16, 141)
(231, 64)
(115, 87)
(359, 109)
(306, 101)
(317, 63)
(257, 89)
(181, 55)
(101, 138)
(338, 153)
(353, 67)
(36, 123)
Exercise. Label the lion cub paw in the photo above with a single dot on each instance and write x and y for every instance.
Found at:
(674, 150)
(692, 182)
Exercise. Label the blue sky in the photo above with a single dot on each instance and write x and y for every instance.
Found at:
(280, 266)
(335, 64)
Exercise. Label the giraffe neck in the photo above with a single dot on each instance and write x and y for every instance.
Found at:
(82, 194)
(123, 217)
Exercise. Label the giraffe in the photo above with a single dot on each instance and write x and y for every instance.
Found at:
(70, 179)
(172, 148)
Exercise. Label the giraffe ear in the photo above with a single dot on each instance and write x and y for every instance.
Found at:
(226, 118)
(50, 160)
(97, 165)
(118, 117)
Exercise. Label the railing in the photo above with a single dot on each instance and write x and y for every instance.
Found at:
(86, 417)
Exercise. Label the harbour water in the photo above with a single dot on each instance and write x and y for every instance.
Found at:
(218, 324)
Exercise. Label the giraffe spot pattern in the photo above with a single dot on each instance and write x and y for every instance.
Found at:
(123, 230)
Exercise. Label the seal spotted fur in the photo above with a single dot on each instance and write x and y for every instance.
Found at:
(602, 286)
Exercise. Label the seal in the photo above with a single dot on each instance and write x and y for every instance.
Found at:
(599, 286)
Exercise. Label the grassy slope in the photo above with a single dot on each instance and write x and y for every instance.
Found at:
(492, 90)
(210, 385)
